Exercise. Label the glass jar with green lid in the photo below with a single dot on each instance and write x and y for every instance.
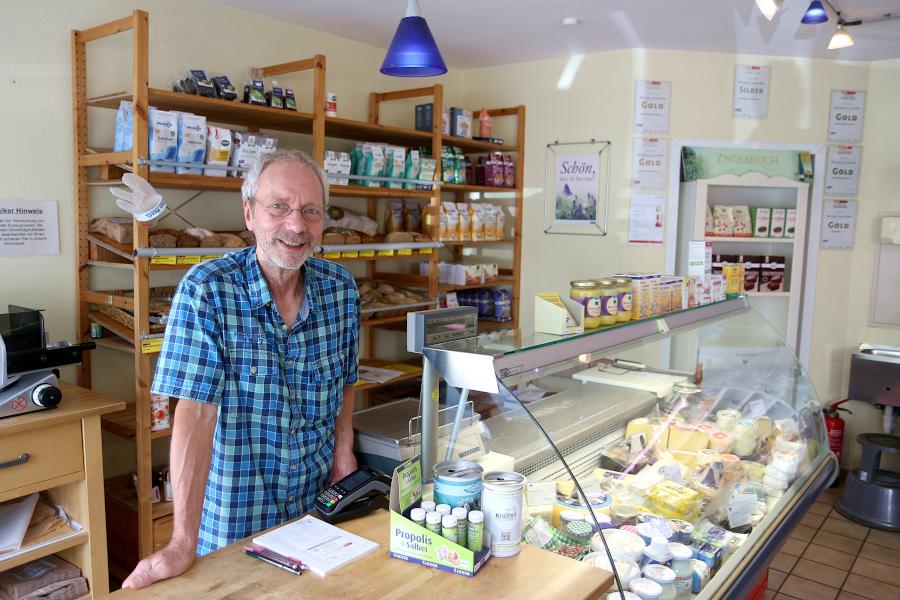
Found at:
(587, 293)
(609, 301)
(623, 304)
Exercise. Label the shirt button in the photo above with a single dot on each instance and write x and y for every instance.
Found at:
(284, 327)
(293, 432)
(290, 498)
(253, 370)
(290, 362)
(293, 395)
(294, 466)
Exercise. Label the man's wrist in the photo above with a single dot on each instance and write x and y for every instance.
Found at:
(183, 543)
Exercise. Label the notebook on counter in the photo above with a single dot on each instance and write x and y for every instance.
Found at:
(319, 545)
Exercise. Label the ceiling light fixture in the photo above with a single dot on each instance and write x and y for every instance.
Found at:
(570, 21)
(769, 7)
(815, 13)
(413, 52)
(840, 39)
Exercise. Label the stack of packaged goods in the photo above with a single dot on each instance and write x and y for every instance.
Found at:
(471, 222)
(757, 222)
(385, 160)
(677, 496)
(494, 305)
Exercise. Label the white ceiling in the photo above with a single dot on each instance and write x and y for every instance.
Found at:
(479, 33)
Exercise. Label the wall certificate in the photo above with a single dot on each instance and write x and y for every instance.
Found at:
(652, 100)
(751, 92)
(845, 119)
(838, 224)
(648, 163)
(842, 173)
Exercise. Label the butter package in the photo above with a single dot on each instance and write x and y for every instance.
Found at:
(218, 150)
(761, 218)
(163, 138)
(778, 221)
(191, 142)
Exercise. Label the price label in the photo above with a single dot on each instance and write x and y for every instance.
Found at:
(188, 260)
(164, 260)
(842, 172)
(151, 346)
(385, 253)
(652, 100)
(424, 250)
(352, 254)
(331, 255)
(366, 253)
(209, 257)
(404, 252)
(751, 92)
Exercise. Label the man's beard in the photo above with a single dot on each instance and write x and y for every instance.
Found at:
(284, 257)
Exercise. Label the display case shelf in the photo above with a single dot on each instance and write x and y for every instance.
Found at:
(444, 287)
(750, 240)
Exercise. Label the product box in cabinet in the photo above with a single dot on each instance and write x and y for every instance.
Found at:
(416, 544)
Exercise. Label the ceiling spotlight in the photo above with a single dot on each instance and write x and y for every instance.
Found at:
(769, 7)
(413, 52)
(840, 39)
(570, 21)
(815, 13)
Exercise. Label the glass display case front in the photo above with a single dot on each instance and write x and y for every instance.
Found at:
(681, 449)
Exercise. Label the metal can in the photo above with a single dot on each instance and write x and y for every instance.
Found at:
(501, 502)
(96, 330)
(330, 104)
(458, 483)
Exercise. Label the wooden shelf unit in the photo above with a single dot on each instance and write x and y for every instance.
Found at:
(103, 165)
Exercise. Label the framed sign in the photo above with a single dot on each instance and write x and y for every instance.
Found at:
(576, 194)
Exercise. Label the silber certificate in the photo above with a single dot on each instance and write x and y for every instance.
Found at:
(751, 92)
(652, 100)
(842, 173)
(845, 118)
(838, 224)
(648, 163)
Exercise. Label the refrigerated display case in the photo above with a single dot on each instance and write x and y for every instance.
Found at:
(699, 426)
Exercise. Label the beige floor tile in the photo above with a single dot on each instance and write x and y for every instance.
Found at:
(884, 538)
(869, 588)
(819, 508)
(876, 570)
(845, 528)
(794, 547)
(811, 520)
(783, 562)
(807, 589)
(776, 578)
(838, 542)
(803, 532)
(845, 595)
(830, 496)
(834, 514)
(880, 554)
(829, 556)
(768, 595)
(818, 572)
(784, 597)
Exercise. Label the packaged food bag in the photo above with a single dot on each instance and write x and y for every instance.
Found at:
(124, 120)
(476, 212)
(218, 150)
(163, 138)
(191, 142)
(411, 169)
(465, 222)
(490, 222)
(244, 151)
(452, 221)
(426, 172)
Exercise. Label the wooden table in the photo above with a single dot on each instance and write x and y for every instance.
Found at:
(533, 574)
(65, 463)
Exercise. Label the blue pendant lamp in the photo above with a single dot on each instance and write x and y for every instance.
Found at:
(413, 52)
(815, 13)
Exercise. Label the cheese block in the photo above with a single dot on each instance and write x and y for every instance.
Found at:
(687, 439)
(648, 428)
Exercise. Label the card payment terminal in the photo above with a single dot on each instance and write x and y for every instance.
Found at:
(357, 494)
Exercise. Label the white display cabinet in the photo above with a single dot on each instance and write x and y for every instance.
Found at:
(781, 309)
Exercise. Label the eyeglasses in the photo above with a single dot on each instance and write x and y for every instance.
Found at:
(280, 210)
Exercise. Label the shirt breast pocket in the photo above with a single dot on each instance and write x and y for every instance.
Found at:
(324, 389)
(254, 376)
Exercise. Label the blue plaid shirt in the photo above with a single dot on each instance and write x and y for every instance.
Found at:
(278, 389)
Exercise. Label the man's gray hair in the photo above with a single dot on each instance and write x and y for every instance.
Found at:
(251, 177)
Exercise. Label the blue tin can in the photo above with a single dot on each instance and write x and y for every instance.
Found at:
(458, 483)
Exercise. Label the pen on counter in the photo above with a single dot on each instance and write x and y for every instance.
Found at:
(273, 562)
(294, 563)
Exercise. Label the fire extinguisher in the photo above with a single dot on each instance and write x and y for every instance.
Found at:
(834, 426)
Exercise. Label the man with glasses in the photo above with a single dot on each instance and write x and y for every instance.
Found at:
(261, 349)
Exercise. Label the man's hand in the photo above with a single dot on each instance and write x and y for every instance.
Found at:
(171, 561)
(344, 464)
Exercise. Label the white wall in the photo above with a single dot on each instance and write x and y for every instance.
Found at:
(599, 105)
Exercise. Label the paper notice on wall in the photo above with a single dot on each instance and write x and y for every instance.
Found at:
(28, 228)
(751, 92)
(648, 163)
(845, 119)
(652, 100)
(838, 224)
(645, 219)
(842, 174)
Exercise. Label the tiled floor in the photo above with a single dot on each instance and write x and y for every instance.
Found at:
(829, 557)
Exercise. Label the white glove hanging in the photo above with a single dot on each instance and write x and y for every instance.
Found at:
(143, 202)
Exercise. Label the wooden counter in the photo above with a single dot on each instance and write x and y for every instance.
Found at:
(533, 574)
